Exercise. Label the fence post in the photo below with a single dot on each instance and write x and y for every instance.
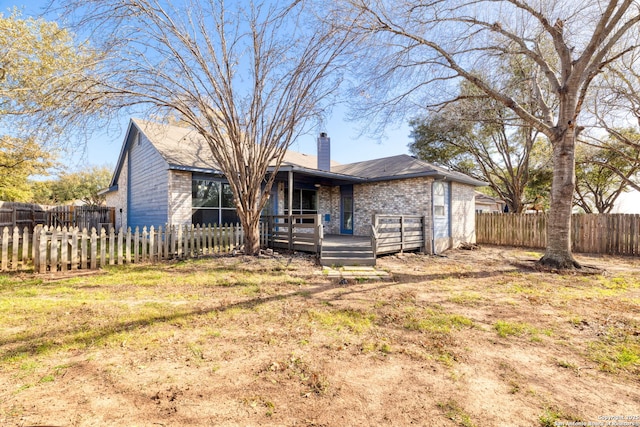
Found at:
(54, 249)
(152, 254)
(112, 243)
(42, 250)
(94, 249)
(5, 249)
(64, 249)
(34, 244)
(119, 248)
(136, 245)
(167, 236)
(74, 248)
(103, 247)
(25, 246)
(127, 247)
(192, 245)
(84, 253)
(185, 241)
(219, 239)
(159, 243)
(196, 239)
(15, 244)
(144, 244)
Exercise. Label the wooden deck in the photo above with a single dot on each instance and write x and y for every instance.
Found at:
(389, 233)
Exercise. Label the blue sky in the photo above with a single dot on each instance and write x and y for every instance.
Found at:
(346, 143)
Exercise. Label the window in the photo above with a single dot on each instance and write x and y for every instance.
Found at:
(438, 199)
(212, 202)
(304, 202)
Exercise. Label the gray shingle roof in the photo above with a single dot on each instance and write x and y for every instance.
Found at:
(398, 167)
(184, 149)
(178, 146)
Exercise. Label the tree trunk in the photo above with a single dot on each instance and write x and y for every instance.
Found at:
(558, 250)
(251, 227)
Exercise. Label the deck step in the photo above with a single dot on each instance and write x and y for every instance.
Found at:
(347, 254)
(345, 261)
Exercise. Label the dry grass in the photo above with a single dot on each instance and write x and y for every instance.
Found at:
(477, 338)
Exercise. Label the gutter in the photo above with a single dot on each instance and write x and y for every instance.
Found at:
(108, 190)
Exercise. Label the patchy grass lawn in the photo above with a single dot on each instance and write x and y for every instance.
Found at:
(476, 338)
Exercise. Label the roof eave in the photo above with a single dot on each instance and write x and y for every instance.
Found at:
(318, 173)
(432, 174)
(108, 190)
(123, 153)
(195, 169)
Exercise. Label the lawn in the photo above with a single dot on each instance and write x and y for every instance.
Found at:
(475, 338)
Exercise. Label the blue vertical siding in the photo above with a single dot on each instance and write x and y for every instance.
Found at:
(148, 189)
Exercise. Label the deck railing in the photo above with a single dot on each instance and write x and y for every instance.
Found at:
(295, 232)
(397, 233)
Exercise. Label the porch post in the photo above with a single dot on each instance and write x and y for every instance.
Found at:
(290, 207)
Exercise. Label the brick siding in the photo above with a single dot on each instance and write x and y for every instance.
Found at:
(180, 200)
(118, 199)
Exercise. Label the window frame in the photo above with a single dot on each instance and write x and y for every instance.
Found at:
(224, 204)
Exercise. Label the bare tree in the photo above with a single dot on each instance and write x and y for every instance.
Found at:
(430, 45)
(606, 168)
(247, 77)
(480, 137)
(612, 145)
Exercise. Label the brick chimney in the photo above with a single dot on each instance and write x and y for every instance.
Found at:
(324, 152)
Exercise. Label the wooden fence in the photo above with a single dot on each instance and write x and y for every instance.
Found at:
(62, 249)
(30, 215)
(614, 234)
(15, 214)
(82, 217)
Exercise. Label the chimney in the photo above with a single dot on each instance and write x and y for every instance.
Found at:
(324, 152)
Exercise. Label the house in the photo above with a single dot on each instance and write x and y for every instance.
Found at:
(488, 204)
(166, 175)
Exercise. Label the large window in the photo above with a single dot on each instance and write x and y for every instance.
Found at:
(304, 202)
(212, 202)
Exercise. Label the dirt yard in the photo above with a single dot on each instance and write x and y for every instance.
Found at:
(475, 338)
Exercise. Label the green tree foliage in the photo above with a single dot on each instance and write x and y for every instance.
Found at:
(43, 92)
(41, 71)
(20, 159)
(606, 170)
(76, 186)
(479, 136)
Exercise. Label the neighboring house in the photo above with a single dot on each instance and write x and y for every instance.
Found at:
(166, 175)
(488, 204)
